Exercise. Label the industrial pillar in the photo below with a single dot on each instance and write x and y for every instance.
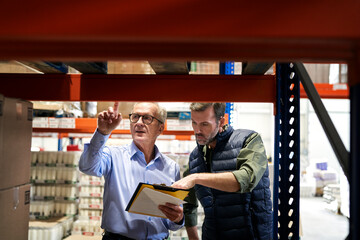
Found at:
(287, 154)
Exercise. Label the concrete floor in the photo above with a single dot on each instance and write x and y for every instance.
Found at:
(320, 223)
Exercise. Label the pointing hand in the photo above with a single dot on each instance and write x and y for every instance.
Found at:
(109, 120)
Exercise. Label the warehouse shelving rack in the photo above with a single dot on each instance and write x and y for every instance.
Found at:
(182, 31)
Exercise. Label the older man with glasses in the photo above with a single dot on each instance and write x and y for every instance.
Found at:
(123, 167)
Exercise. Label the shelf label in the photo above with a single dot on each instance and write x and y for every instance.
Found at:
(97, 206)
(40, 122)
(91, 206)
(95, 194)
(95, 183)
(88, 233)
(62, 122)
(51, 122)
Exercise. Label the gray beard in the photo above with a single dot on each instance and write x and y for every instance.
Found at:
(209, 140)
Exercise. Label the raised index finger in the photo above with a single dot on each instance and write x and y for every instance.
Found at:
(116, 108)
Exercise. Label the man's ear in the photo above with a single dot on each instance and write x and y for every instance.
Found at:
(221, 123)
(161, 129)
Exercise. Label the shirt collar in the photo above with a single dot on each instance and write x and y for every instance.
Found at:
(134, 149)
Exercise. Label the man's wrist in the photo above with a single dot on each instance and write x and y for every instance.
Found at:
(181, 220)
(102, 132)
(197, 178)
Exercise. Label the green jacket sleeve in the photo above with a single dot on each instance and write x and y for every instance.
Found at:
(190, 208)
(251, 163)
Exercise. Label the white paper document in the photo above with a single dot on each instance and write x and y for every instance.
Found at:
(148, 201)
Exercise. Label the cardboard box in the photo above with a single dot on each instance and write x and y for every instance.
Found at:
(15, 141)
(125, 108)
(14, 212)
(130, 67)
(15, 67)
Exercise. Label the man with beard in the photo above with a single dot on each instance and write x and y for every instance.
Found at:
(123, 167)
(229, 173)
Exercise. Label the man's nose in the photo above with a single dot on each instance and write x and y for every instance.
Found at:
(197, 130)
(140, 118)
(140, 122)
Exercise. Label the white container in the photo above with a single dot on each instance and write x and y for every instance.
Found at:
(40, 157)
(66, 157)
(52, 157)
(43, 173)
(46, 234)
(33, 173)
(73, 157)
(57, 191)
(40, 234)
(74, 175)
(33, 234)
(58, 211)
(59, 173)
(34, 156)
(52, 193)
(63, 208)
(73, 192)
(60, 157)
(63, 191)
(51, 173)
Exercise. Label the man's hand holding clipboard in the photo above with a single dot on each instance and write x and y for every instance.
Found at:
(159, 201)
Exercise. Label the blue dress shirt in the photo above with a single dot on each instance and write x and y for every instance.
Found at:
(123, 167)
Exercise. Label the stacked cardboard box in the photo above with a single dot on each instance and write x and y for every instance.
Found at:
(15, 158)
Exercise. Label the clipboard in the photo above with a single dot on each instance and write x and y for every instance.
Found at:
(147, 198)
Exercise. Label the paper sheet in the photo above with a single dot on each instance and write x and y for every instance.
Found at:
(148, 201)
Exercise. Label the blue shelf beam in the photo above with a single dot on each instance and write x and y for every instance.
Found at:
(228, 68)
(354, 161)
(287, 154)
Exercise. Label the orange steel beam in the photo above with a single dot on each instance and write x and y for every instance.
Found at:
(354, 69)
(209, 88)
(180, 19)
(76, 87)
(248, 49)
(160, 29)
(51, 87)
(116, 87)
(184, 137)
(337, 91)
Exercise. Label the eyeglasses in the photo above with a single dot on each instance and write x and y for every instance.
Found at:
(147, 119)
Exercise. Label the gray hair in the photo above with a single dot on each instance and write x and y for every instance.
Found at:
(219, 108)
(161, 113)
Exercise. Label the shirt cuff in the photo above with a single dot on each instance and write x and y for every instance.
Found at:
(181, 222)
(191, 220)
(173, 226)
(240, 175)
